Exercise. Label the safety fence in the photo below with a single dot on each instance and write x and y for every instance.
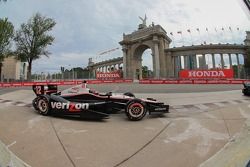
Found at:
(195, 81)
(20, 84)
(167, 81)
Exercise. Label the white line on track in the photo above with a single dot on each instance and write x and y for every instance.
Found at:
(8, 146)
(220, 104)
(201, 106)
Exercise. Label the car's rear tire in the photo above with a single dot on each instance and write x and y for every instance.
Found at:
(34, 103)
(135, 110)
(43, 106)
(129, 94)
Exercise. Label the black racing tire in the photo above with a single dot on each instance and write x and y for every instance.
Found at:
(34, 103)
(129, 94)
(135, 110)
(43, 106)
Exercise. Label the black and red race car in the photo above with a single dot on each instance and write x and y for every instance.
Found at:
(88, 103)
(246, 89)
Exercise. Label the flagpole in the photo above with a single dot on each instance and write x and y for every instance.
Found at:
(179, 32)
(199, 34)
(232, 34)
(208, 36)
(223, 35)
(217, 38)
(171, 33)
(190, 36)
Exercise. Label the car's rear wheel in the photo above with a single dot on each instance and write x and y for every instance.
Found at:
(135, 110)
(34, 103)
(43, 106)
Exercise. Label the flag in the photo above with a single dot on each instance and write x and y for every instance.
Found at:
(198, 29)
(206, 29)
(189, 31)
(179, 32)
(171, 33)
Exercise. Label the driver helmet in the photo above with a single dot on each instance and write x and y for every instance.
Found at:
(84, 84)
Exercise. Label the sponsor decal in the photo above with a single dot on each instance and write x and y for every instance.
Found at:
(225, 73)
(108, 75)
(160, 109)
(72, 107)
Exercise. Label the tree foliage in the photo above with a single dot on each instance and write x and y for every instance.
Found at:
(32, 39)
(6, 34)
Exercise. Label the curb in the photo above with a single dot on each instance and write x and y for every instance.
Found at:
(236, 153)
(8, 159)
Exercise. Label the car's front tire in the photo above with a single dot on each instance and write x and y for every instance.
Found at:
(43, 106)
(135, 110)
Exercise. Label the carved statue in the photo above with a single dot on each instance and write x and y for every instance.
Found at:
(144, 23)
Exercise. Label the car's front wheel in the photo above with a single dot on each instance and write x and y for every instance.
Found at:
(43, 105)
(135, 110)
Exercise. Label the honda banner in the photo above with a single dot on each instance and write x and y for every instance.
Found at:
(224, 73)
(108, 75)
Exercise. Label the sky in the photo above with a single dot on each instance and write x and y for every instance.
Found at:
(86, 28)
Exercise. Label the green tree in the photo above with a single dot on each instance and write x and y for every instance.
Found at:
(32, 39)
(145, 72)
(6, 34)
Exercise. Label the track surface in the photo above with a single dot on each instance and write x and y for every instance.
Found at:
(198, 125)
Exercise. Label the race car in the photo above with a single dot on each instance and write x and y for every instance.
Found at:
(88, 103)
(246, 89)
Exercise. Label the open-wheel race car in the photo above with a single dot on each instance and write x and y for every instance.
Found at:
(246, 89)
(88, 103)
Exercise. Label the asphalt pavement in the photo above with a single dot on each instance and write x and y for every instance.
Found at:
(198, 126)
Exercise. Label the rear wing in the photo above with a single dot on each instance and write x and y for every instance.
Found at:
(44, 89)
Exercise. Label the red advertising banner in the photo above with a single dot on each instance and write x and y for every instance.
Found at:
(225, 73)
(108, 75)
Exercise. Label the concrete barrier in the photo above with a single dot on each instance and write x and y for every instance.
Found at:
(8, 159)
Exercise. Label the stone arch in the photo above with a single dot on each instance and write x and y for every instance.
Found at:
(133, 46)
(137, 52)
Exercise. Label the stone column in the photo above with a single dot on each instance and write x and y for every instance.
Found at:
(177, 65)
(194, 62)
(124, 50)
(213, 61)
(238, 65)
(186, 62)
(222, 61)
(154, 70)
(157, 57)
(203, 61)
(230, 60)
